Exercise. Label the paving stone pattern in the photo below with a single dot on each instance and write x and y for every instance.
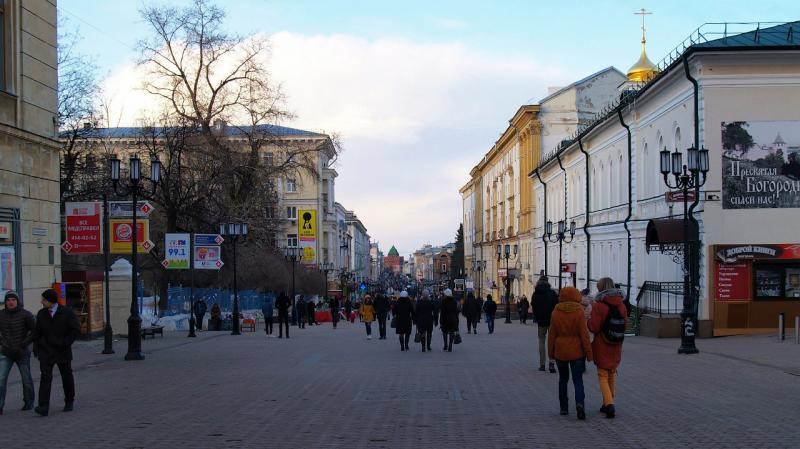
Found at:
(327, 388)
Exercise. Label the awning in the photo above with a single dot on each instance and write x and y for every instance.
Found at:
(667, 233)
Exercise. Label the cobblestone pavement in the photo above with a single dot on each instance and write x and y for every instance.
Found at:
(333, 388)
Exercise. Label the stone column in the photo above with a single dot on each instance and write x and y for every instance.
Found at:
(120, 295)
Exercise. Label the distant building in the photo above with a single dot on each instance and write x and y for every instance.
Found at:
(393, 262)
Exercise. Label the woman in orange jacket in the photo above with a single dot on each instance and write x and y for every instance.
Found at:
(609, 331)
(568, 344)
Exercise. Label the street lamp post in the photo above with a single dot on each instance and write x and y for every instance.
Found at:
(504, 252)
(561, 238)
(234, 230)
(686, 178)
(135, 177)
(327, 267)
(292, 254)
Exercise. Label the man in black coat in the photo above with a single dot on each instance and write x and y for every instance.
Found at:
(200, 308)
(490, 308)
(381, 311)
(282, 304)
(16, 335)
(449, 322)
(544, 300)
(333, 303)
(56, 329)
(311, 312)
(471, 311)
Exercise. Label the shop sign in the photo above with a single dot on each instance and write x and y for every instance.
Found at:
(569, 268)
(733, 253)
(121, 233)
(501, 272)
(176, 251)
(677, 196)
(5, 230)
(84, 229)
(760, 165)
(733, 281)
(123, 209)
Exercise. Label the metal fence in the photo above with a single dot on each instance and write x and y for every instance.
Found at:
(661, 298)
(179, 299)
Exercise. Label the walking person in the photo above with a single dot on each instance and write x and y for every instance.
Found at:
(381, 311)
(404, 316)
(489, 310)
(215, 323)
(348, 309)
(16, 334)
(268, 309)
(311, 312)
(522, 309)
(282, 304)
(423, 316)
(449, 320)
(607, 321)
(300, 307)
(56, 329)
(471, 311)
(544, 301)
(569, 346)
(437, 307)
(367, 313)
(333, 303)
(200, 308)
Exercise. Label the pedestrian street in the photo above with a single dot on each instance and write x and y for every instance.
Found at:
(330, 388)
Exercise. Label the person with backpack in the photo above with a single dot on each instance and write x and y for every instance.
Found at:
(569, 346)
(490, 309)
(544, 301)
(607, 322)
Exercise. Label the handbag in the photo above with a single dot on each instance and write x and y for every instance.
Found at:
(417, 337)
(393, 323)
(457, 339)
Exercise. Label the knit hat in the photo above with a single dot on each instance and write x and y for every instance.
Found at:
(448, 292)
(11, 294)
(569, 294)
(404, 294)
(50, 296)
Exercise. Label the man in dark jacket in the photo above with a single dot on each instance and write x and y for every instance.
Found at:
(471, 311)
(544, 301)
(490, 308)
(282, 304)
(522, 309)
(311, 312)
(56, 329)
(333, 303)
(381, 311)
(437, 306)
(200, 308)
(300, 306)
(449, 322)
(16, 335)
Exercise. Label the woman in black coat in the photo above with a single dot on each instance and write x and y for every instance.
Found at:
(404, 316)
(424, 319)
(449, 320)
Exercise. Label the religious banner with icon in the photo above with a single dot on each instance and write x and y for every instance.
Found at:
(307, 234)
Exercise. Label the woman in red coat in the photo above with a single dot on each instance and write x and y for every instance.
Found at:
(607, 353)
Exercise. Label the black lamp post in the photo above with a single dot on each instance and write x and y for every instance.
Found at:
(504, 252)
(478, 266)
(234, 230)
(292, 254)
(686, 178)
(327, 267)
(132, 189)
(561, 238)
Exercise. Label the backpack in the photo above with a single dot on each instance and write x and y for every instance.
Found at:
(614, 325)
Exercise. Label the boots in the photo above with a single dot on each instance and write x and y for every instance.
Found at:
(402, 343)
(610, 411)
(553, 367)
(450, 343)
(580, 411)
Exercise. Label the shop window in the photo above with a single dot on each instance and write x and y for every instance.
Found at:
(8, 258)
(776, 281)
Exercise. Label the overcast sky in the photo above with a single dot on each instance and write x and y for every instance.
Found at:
(418, 90)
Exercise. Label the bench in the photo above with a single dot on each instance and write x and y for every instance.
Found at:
(249, 323)
(152, 331)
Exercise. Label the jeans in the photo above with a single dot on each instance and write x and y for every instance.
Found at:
(45, 383)
(368, 324)
(268, 325)
(24, 367)
(490, 323)
(577, 367)
(382, 326)
(543, 345)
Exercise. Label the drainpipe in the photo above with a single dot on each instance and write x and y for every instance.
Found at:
(586, 216)
(560, 245)
(630, 199)
(695, 252)
(544, 185)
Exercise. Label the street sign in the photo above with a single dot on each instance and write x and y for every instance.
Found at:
(208, 240)
(121, 232)
(569, 268)
(122, 209)
(176, 251)
(207, 257)
(677, 196)
(84, 229)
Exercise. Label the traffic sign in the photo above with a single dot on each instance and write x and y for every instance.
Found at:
(122, 209)
(165, 263)
(208, 240)
(148, 245)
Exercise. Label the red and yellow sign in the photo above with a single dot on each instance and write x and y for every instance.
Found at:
(122, 231)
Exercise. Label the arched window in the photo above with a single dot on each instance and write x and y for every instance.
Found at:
(678, 139)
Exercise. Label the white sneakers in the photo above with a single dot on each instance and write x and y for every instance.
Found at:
(369, 337)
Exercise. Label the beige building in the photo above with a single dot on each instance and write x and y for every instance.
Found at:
(29, 160)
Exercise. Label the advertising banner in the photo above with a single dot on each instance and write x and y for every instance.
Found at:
(207, 258)
(176, 251)
(121, 233)
(84, 229)
(307, 234)
(760, 165)
(124, 209)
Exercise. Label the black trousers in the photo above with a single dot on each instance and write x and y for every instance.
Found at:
(382, 326)
(199, 321)
(334, 316)
(45, 384)
(283, 320)
(426, 339)
(404, 339)
(268, 325)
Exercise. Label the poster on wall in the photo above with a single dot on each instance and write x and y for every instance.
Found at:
(8, 279)
(760, 164)
(307, 234)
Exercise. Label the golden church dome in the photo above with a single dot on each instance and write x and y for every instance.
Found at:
(643, 69)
